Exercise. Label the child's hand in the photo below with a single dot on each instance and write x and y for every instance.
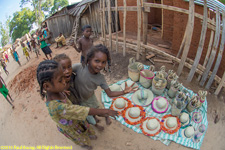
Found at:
(67, 92)
(112, 113)
(130, 89)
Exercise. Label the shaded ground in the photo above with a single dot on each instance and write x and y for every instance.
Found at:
(30, 124)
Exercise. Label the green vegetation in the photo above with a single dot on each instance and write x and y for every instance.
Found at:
(4, 32)
(222, 1)
(21, 23)
(23, 20)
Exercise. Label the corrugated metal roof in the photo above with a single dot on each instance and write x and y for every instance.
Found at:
(212, 4)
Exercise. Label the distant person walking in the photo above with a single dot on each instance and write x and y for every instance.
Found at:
(16, 56)
(28, 44)
(44, 47)
(6, 57)
(3, 64)
(5, 92)
(26, 52)
(34, 46)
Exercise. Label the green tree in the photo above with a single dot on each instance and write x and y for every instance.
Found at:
(21, 23)
(37, 8)
(47, 6)
(58, 4)
(222, 1)
(4, 32)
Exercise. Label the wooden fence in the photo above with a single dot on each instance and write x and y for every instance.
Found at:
(142, 10)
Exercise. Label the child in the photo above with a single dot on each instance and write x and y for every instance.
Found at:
(44, 47)
(28, 44)
(84, 43)
(6, 57)
(33, 44)
(89, 78)
(5, 92)
(16, 56)
(66, 64)
(70, 119)
(60, 40)
(4, 67)
(25, 51)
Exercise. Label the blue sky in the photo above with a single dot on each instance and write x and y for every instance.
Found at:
(8, 7)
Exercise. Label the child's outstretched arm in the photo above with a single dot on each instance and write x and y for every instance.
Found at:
(78, 49)
(103, 112)
(119, 93)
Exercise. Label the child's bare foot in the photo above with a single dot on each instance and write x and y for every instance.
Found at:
(100, 128)
(108, 120)
(93, 137)
(87, 147)
(96, 119)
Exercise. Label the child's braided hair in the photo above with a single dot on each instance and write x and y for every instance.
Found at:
(60, 57)
(97, 48)
(45, 72)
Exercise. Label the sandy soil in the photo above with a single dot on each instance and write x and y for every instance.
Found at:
(29, 123)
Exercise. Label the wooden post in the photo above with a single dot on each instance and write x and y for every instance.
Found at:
(215, 46)
(208, 51)
(110, 25)
(139, 29)
(92, 21)
(188, 37)
(182, 43)
(116, 15)
(145, 29)
(162, 21)
(219, 57)
(220, 85)
(103, 18)
(201, 44)
(124, 26)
